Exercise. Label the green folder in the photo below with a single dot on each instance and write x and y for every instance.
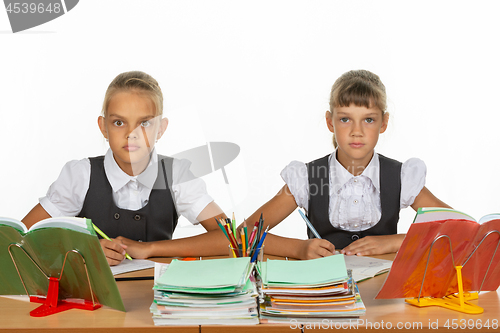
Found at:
(47, 246)
(319, 271)
(219, 275)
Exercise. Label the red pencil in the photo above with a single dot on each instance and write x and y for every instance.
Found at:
(232, 240)
(254, 231)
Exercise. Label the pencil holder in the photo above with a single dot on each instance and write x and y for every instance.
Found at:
(238, 252)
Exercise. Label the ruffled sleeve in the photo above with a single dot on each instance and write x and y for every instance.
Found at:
(295, 176)
(66, 195)
(413, 174)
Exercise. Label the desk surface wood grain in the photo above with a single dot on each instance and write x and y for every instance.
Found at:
(138, 296)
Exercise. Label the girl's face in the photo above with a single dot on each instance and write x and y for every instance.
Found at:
(132, 129)
(356, 129)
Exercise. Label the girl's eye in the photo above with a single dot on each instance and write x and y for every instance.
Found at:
(369, 120)
(146, 123)
(344, 120)
(118, 123)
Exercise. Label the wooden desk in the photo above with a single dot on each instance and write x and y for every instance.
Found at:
(138, 296)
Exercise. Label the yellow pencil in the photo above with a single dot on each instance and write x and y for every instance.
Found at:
(103, 235)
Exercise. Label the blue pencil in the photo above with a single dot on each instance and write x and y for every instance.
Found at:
(259, 246)
(309, 224)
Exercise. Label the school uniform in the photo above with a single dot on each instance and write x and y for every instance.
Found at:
(343, 207)
(143, 207)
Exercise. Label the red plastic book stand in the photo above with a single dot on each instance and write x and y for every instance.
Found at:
(51, 304)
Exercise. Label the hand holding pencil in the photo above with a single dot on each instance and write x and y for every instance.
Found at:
(316, 247)
(114, 251)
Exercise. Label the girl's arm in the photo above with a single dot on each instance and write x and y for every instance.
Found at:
(211, 243)
(373, 245)
(275, 211)
(426, 199)
(35, 215)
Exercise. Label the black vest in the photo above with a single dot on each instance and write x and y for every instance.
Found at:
(319, 200)
(155, 221)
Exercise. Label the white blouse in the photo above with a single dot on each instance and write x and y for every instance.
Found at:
(66, 195)
(355, 200)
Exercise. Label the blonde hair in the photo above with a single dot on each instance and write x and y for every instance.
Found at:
(136, 81)
(358, 87)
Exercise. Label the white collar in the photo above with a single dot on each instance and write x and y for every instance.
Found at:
(340, 176)
(118, 178)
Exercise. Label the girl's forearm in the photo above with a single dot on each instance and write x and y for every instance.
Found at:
(282, 246)
(211, 243)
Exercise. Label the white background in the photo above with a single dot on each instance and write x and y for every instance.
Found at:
(258, 73)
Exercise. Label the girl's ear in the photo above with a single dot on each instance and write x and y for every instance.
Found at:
(102, 126)
(385, 122)
(329, 121)
(163, 128)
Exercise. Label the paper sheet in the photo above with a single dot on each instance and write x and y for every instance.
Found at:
(365, 267)
(132, 265)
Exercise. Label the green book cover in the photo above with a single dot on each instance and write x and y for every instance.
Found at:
(217, 274)
(305, 272)
(47, 243)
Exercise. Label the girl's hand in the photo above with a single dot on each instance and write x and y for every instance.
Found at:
(114, 251)
(138, 250)
(316, 248)
(373, 245)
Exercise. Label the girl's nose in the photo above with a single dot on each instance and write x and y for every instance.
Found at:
(356, 129)
(134, 134)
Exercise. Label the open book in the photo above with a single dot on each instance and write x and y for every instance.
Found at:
(25, 255)
(364, 268)
(465, 235)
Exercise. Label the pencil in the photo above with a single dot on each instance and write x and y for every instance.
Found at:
(255, 240)
(103, 235)
(221, 227)
(259, 229)
(226, 229)
(309, 224)
(259, 247)
(231, 229)
(254, 231)
(245, 230)
(232, 240)
(234, 225)
(243, 243)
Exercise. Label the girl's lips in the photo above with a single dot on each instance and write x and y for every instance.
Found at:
(131, 148)
(356, 145)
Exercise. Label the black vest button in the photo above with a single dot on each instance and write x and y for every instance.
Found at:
(355, 237)
(137, 217)
(116, 216)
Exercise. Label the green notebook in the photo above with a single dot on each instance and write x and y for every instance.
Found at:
(215, 275)
(47, 242)
(319, 271)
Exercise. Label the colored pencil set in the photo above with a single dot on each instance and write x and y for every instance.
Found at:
(247, 243)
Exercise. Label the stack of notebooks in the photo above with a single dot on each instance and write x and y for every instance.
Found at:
(205, 292)
(308, 291)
